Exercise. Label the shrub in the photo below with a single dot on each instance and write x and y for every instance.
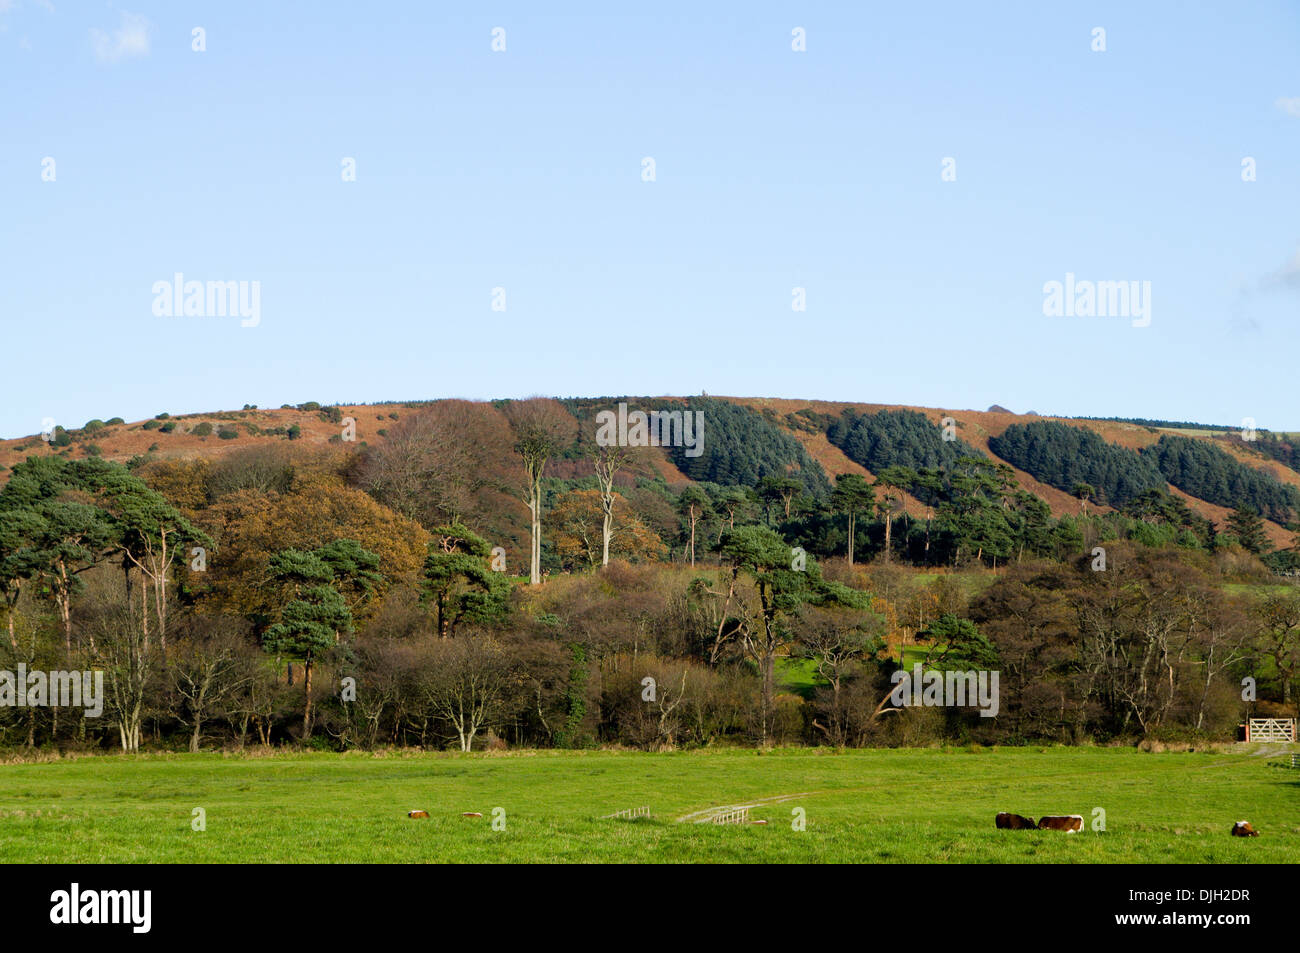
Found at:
(113, 421)
(93, 425)
(151, 425)
(310, 405)
(262, 468)
(332, 414)
(202, 429)
(91, 450)
(294, 432)
(227, 433)
(168, 427)
(163, 416)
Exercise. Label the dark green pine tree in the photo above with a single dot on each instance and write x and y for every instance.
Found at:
(317, 615)
(852, 495)
(458, 579)
(1248, 527)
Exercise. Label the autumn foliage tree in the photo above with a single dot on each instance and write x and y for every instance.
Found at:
(316, 511)
(442, 464)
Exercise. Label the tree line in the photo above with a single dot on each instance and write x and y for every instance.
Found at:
(476, 581)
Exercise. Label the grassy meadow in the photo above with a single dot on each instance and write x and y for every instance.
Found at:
(861, 806)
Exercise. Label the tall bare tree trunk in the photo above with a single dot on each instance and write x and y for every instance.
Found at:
(693, 522)
(64, 599)
(535, 526)
(606, 530)
(769, 690)
(608, 461)
(306, 712)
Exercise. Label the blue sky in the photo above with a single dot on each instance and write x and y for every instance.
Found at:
(774, 169)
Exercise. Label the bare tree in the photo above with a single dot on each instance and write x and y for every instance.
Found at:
(1279, 629)
(541, 428)
(129, 659)
(836, 640)
(255, 701)
(608, 461)
(667, 700)
(263, 468)
(440, 464)
(384, 670)
(466, 683)
(1221, 634)
(205, 672)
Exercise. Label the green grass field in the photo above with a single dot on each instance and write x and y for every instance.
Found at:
(866, 806)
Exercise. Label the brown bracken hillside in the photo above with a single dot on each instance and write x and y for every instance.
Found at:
(121, 442)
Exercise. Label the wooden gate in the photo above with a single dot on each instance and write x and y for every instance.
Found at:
(1270, 729)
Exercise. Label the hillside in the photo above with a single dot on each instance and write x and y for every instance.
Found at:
(310, 425)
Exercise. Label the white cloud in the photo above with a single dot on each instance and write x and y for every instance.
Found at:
(1290, 106)
(128, 40)
(1289, 274)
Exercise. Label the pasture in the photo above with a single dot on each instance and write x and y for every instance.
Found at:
(862, 806)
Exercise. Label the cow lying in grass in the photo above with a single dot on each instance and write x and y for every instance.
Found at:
(1061, 822)
(1243, 829)
(1013, 822)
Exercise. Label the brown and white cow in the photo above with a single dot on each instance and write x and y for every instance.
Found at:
(1013, 822)
(418, 814)
(1243, 829)
(1061, 822)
